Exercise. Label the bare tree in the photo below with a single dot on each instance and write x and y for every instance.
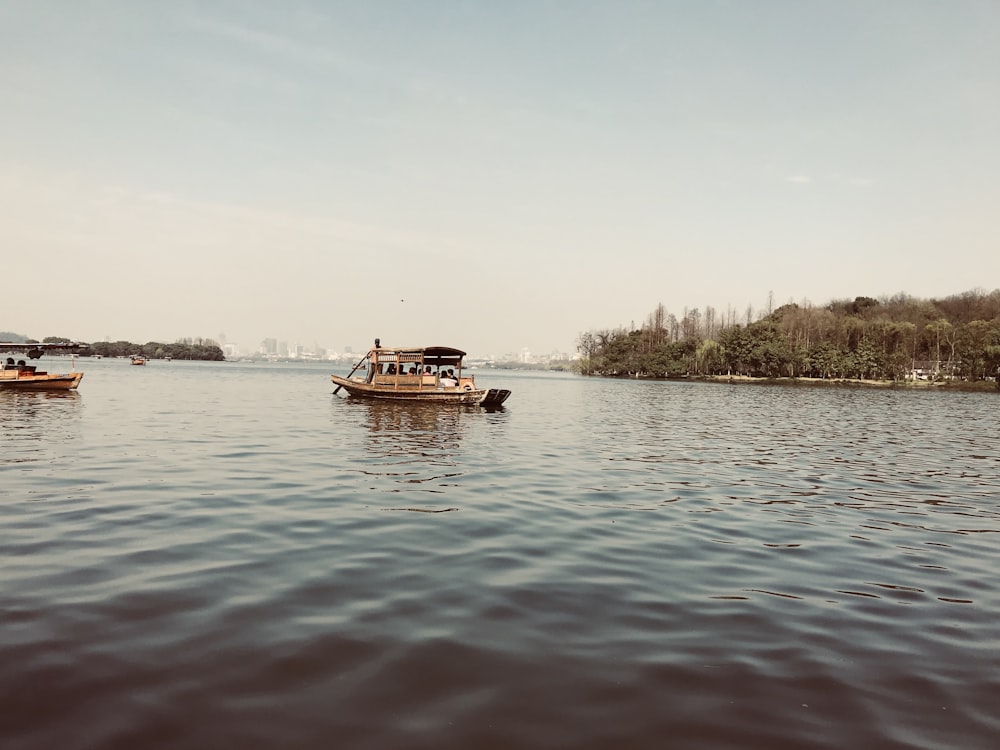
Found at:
(709, 324)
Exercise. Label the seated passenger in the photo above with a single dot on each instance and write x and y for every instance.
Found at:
(446, 381)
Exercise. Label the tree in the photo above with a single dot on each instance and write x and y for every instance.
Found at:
(587, 345)
(972, 342)
(862, 305)
(708, 357)
(691, 325)
(736, 346)
(939, 331)
(867, 360)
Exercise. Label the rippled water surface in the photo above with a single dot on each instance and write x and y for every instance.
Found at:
(227, 555)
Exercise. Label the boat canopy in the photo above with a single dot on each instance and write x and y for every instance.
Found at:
(435, 356)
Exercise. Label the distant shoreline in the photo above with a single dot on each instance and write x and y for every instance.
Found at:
(919, 385)
(978, 386)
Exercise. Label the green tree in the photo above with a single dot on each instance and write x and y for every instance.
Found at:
(867, 360)
(972, 342)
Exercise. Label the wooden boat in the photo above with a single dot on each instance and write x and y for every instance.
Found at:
(417, 373)
(22, 376)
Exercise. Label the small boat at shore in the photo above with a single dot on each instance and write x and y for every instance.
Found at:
(22, 376)
(417, 373)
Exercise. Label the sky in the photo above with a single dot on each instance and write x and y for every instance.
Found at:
(494, 176)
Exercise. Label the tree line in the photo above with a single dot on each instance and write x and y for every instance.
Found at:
(185, 348)
(889, 338)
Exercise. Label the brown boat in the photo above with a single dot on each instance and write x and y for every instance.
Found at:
(22, 376)
(417, 373)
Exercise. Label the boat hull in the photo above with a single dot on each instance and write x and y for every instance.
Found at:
(361, 389)
(13, 380)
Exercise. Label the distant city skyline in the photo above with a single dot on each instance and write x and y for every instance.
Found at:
(293, 349)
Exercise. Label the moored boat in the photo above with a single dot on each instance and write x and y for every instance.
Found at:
(417, 373)
(22, 376)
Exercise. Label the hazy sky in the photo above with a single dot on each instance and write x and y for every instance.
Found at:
(487, 175)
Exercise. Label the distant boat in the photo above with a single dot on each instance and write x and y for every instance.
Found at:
(22, 376)
(417, 373)
(138, 360)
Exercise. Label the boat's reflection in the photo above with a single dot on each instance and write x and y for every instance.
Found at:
(401, 428)
(22, 407)
(31, 421)
(414, 432)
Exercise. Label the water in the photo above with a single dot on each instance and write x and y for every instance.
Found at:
(225, 555)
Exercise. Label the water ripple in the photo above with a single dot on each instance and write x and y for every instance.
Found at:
(206, 555)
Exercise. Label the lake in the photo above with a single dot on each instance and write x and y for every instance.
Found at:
(216, 555)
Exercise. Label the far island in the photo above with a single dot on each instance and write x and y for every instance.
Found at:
(953, 341)
(192, 349)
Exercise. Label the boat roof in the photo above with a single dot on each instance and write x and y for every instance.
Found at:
(431, 354)
(447, 351)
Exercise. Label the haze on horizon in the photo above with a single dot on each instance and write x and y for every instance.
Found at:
(485, 175)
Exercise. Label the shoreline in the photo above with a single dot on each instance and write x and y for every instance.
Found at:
(968, 386)
(978, 386)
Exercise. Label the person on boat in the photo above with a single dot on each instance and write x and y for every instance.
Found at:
(412, 370)
(427, 370)
(447, 381)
